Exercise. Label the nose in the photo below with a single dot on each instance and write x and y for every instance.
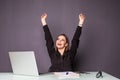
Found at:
(59, 41)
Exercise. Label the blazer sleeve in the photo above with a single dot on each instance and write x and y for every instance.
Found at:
(49, 40)
(75, 42)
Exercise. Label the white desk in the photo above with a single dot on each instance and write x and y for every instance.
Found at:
(51, 76)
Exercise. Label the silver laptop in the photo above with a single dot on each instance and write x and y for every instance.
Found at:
(23, 63)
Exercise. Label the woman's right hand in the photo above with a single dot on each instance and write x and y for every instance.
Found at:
(43, 19)
(81, 19)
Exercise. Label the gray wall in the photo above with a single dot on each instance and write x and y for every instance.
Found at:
(99, 49)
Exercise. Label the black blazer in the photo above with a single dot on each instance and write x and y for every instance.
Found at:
(61, 63)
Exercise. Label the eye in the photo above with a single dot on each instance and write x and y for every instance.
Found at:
(57, 39)
(62, 40)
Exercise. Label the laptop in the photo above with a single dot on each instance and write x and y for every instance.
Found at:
(23, 63)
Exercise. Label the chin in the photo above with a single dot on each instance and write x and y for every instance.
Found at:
(60, 47)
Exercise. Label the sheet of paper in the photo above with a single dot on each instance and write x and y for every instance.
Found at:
(63, 75)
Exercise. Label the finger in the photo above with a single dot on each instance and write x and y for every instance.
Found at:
(82, 16)
(45, 14)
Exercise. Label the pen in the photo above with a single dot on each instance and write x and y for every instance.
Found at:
(67, 73)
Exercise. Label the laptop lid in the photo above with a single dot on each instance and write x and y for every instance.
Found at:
(23, 63)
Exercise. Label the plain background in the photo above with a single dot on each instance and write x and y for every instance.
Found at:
(99, 48)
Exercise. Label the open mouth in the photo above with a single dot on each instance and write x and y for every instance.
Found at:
(59, 44)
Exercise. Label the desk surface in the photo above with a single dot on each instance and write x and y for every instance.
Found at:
(51, 76)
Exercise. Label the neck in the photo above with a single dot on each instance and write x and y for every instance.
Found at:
(61, 51)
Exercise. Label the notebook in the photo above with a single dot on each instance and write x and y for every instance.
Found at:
(23, 63)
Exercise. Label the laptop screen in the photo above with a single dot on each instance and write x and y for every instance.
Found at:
(23, 63)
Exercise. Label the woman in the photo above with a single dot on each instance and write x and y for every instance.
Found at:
(61, 55)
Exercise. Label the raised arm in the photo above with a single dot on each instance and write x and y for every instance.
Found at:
(43, 19)
(48, 37)
(75, 40)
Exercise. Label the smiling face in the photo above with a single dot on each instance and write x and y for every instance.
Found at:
(61, 42)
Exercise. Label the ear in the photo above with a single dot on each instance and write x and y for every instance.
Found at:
(66, 44)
